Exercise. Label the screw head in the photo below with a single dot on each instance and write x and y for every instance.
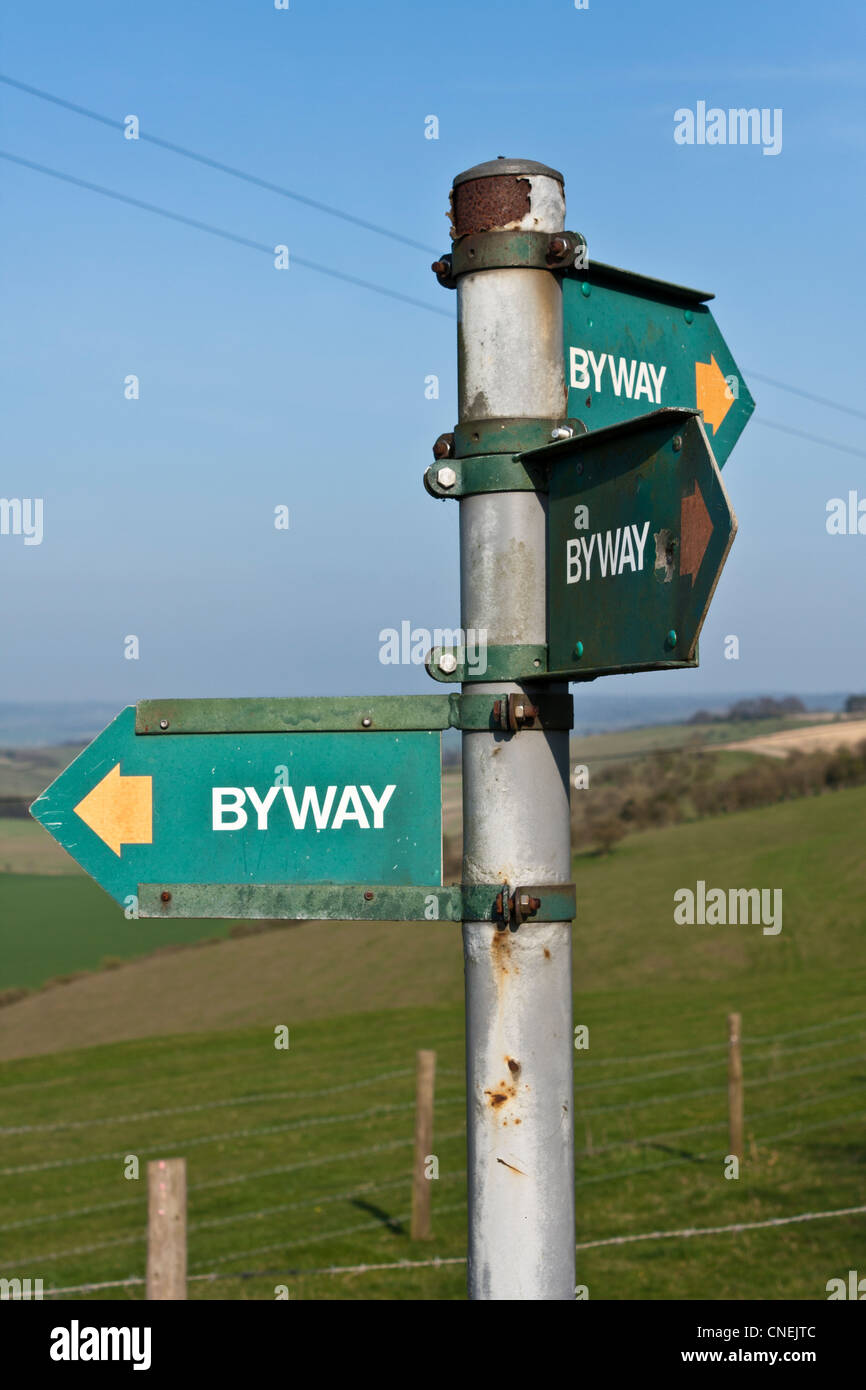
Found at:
(366, 721)
(688, 316)
(671, 638)
(163, 723)
(585, 289)
(678, 443)
(368, 896)
(448, 663)
(165, 896)
(578, 649)
(446, 477)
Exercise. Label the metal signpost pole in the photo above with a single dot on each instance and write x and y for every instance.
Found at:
(519, 1034)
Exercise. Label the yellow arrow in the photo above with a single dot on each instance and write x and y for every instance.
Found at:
(714, 395)
(119, 810)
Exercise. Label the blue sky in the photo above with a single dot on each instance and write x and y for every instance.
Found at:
(261, 387)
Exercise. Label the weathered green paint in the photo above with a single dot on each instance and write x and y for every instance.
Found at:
(335, 903)
(525, 250)
(486, 473)
(342, 713)
(658, 476)
(506, 435)
(312, 715)
(185, 847)
(635, 319)
(490, 663)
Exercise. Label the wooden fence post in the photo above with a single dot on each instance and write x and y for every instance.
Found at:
(735, 1086)
(421, 1185)
(166, 1229)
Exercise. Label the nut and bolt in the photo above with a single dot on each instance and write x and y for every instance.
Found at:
(368, 896)
(446, 477)
(529, 904)
(557, 248)
(444, 446)
(562, 432)
(678, 443)
(163, 723)
(441, 267)
(447, 663)
(165, 896)
(366, 721)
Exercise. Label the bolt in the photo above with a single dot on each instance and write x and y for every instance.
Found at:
(562, 432)
(671, 639)
(578, 649)
(525, 713)
(441, 267)
(163, 723)
(557, 248)
(368, 896)
(585, 290)
(678, 443)
(688, 316)
(447, 663)
(446, 477)
(366, 721)
(443, 446)
(166, 896)
(578, 469)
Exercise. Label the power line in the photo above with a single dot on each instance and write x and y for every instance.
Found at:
(219, 231)
(813, 438)
(335, 274)
(807, 395)
(331, 211)
(218, 164)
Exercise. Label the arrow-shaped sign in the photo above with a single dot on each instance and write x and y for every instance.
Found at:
(634, 344)
(639, 528)
(119, 810)
(223, 795)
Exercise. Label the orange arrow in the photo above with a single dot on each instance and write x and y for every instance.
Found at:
(119, 810)
(696, 528)
(713, 394)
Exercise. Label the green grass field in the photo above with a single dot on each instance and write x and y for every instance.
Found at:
(299, 1160)
(76, 926)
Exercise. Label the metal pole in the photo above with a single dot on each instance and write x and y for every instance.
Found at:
(519, 1034)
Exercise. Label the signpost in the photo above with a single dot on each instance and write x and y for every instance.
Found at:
(591, 543)
(634, 344)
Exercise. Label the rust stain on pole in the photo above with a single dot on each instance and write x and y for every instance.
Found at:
(483, 204)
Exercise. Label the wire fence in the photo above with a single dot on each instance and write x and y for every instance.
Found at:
(767, 1052)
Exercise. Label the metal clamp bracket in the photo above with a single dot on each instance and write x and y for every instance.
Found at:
(517, 663)
(355, 902)
(382, 713)
(465, 477)
(505, 434)
(526, 250)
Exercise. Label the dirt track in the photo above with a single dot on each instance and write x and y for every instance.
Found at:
(818, 738)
